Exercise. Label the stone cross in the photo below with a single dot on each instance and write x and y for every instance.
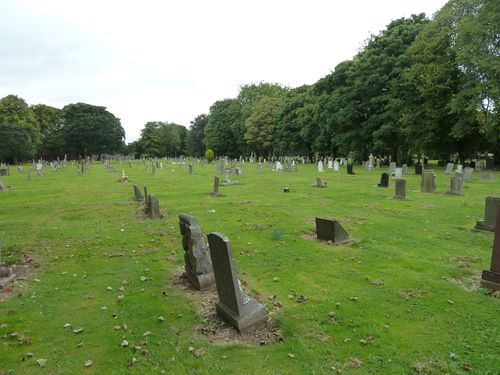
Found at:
(137, 193)
(233, 305)
(198, 264)
(400, 189)
(384, 180)
(489, 222)
(428, 182)
(331, 230)
(491, 278)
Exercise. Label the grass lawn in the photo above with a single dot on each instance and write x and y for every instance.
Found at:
(404, 298)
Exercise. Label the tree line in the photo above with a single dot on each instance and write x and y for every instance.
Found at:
(420, 87)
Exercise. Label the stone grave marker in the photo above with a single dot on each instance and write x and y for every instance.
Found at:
(20, 170)
(153, 208)
(29, 174)
(234, 306)
(489, 222)
(129, 164)
(197, 262)
(484, 175)
(320, 166)
(449, 168)
(259, 168)
(330, 164)
(459, 169)
(137, 194)
(404, 169)
(418, 169)
(468, 171)
(336, 166)
(146, 194)
(319, 184)
(398, 173)
(428, 182)
(491, 278)
(78, 173)
(190, 167)
(384, 180)
(279, 167)
(350, 169)
(392, 167)
(153, 170)
(3, 172)
(3, 187)
(455, 186)
(216, 193)
(331, 231)
(400, 189)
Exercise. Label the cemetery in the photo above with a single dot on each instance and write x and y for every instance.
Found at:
(167, 273)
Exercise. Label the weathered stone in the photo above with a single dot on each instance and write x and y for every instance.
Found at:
(392, 167)
(198, 264)
(331, 230)
(319, 184)
(6, 276)
(234, 305)
(320, 166)
(2, 186)
(4, 172)
(468, 174)
(190, 167)
(404, 169)
(29, 174)
(384, 180)
(456, 186)
(146, 194)
(216, 193)
(350, 169)
(400, 189)
(153, 208)
(485, 175)
(428, 182)
(489, 222)
(449, 168)
(137, 193)
(491, 278)
(398, 173)
(418, 169)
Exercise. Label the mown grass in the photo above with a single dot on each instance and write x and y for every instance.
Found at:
(401, 299)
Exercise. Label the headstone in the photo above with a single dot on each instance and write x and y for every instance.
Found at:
(129, 164)
(319, 184)
(392, 167)
(146, 194)
(233, 305)
(350, 168)
(459, 168)
(371, 162)
(6, 276)
(3, 171)
(216, 186)
(405, 169)
(491, 278)
(153, 208)
(468, 174)
(449, 168)
(198, 264)
(279, 167)
(489, 222)
(29, 174)
(320, 166)
(336, 166)
(418, 169)
(455, 186)
(137, 193)
(78, 173)
(384, 180)
(426, 163)
(330, 164)
(428, 182)
(20, 170)
(259, 168)
(153, 170)
(398, 173)
(331, 230)
(190, 168)
(484, 175)
(2, 186)
(400, 189)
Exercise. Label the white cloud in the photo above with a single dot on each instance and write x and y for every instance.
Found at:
(170, 60)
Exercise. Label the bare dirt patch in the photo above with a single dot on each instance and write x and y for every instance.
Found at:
(23, 271)
(216, 330)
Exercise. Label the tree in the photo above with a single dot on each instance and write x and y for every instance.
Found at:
(19, 131)
(160, 139)
(89, 129)
(222, 133)
(49, 120)
(196, 136)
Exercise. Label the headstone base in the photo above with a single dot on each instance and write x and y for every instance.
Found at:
(253, 314)
(482, 226)
(200, 282)
(490, 279)
(6, 276)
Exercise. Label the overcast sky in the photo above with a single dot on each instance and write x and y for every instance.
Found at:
(170, 60)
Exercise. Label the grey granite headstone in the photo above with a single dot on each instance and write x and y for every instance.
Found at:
(137, 193)
(398, 173)
(468, 171)
(400, 189)
(405, 169)
(197, 260)
(153, 208)
(489, 222)
(392, 167)
(428, 182)
(449, 168)
(234, 305)
(455, 186)
(190, 168)
(216, 193)
(29, 174)
(320, 184)
(259, 169)
(491, 278)
(331, 230)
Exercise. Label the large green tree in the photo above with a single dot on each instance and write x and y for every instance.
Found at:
(50, 122)
(89, 129)
(196, 136)
(19, 130)
(223, 130)
(159, 139)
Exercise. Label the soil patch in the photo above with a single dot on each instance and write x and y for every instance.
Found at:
(216, 330)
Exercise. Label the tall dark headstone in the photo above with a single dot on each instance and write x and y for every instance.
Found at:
(153, 208)
(234, 305)
(331, 230)
(400, 189)
(489, 222)
(491, 278)
(216, 193)
(418, 169)
(384, 180)
(137, 193)
(197, 260)
(350, 168)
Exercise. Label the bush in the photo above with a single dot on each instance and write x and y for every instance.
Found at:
(209, 155)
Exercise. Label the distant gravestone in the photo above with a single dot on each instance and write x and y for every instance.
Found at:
(330, 164)
(3, 172)
(319, 184)
(145, 194)
(350, 169)
(190, 168)
(20, 170)
(484, 175)
(455, 186)
(489, 222)
(336, 166)
(2, 186)
(279, 167)
(404, 169)
(6, 276)
(459, 169)
(198, 264)
(384, 180)
(392, 167)
(153, 208)
(153, 170)
(259, 168)
(146, 168)
(428, 182)
(331, 230)
(29, 174)
(449, 168)
(400, 189)
(491, 278)
(129, 164)
(320, 166)
(137, 193)
(78, 173)
(216, 193)
(418, 169)
(398, 173)
(233, 305)
(468, 174)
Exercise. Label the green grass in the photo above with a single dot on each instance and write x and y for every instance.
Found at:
(407, 286)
